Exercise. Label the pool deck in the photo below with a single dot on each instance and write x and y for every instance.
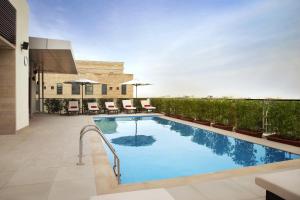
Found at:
(39, 162)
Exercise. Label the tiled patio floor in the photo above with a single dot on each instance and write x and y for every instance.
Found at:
(40, 163)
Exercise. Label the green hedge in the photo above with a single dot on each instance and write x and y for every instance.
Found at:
(283, 116)
(53, 105)
(249, 114)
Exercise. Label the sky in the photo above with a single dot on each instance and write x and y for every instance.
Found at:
(232, 48)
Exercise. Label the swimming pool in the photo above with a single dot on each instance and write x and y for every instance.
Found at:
(153, 148)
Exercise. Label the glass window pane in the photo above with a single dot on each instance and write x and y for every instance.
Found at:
(75, 88)
(89, 89)
(124, 90)
(59, 88)
(104, 89)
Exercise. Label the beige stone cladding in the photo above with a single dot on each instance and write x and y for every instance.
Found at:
(110, 73)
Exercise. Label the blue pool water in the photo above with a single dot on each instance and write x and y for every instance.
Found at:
(152, 148)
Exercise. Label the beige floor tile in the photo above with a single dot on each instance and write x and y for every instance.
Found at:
(223, 189)
(72, 160)
(26, 192)
(185, 192)
(75, 172)
(154, 194)
(5, 177)
(248, 183)
(75, 189)
(33, 176)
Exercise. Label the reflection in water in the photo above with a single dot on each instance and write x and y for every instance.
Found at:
(219, 144)
(243, 153)
(136, 140)
(107, 125)
(161, 121)
(275, 155)
(182, 129)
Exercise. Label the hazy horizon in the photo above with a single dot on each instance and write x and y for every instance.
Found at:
(194, 48)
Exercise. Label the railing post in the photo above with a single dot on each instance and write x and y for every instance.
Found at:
(88, 128)
(80, 150)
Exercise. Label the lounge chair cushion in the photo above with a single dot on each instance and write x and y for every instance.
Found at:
(284, 184)
(73, 107)
(93, 106)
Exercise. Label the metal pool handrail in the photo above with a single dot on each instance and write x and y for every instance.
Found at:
(88, 128)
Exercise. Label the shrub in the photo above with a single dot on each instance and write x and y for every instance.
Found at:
(53, 105)
(284, 118)
(223, 111)
(202, 109)
(249, 114)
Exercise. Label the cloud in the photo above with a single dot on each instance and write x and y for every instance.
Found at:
(199, 48)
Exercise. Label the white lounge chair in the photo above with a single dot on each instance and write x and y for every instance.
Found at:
(147, 106)
(127, 105)
(111, 108)
(281, 185)
(93, 107)
(73, 107)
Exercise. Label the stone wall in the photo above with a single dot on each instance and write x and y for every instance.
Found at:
(110, 73)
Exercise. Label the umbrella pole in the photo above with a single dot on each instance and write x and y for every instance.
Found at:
(82, 98)
(136, 91)
(136, 95)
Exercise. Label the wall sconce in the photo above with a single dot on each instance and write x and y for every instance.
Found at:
(25, 45)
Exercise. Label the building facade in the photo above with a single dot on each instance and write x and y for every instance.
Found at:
(110, 76)
(14, 65)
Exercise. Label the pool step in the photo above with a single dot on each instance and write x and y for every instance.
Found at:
(153, 194)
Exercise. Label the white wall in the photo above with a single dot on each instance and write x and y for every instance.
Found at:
(22, 70)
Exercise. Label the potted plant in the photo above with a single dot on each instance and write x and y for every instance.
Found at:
(223, 112)
(202, 112)
(284, 117)
(249, 117)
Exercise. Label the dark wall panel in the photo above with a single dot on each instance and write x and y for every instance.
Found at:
(8, 21)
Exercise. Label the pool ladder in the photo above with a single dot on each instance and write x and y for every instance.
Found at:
(88, 128)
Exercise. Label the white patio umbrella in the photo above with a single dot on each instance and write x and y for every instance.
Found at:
(136, 83)
(82, 82)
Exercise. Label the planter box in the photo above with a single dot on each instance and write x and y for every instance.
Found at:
(203, 122)
(223, 126)
(280, 139)
(187, 119)
(250, 132)
(174, 116)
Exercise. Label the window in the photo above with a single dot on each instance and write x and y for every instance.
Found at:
(52, 87)
(59, 88)
(110, 88)
(118, 88)
(89, 89)
(104, 89)
(124, 90)
(75, 88)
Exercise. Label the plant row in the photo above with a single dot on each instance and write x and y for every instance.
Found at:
(282, 117)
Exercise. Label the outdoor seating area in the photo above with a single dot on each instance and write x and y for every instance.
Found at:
(149, 100)
(94, 106)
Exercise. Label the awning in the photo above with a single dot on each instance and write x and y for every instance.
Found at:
(54, 56)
